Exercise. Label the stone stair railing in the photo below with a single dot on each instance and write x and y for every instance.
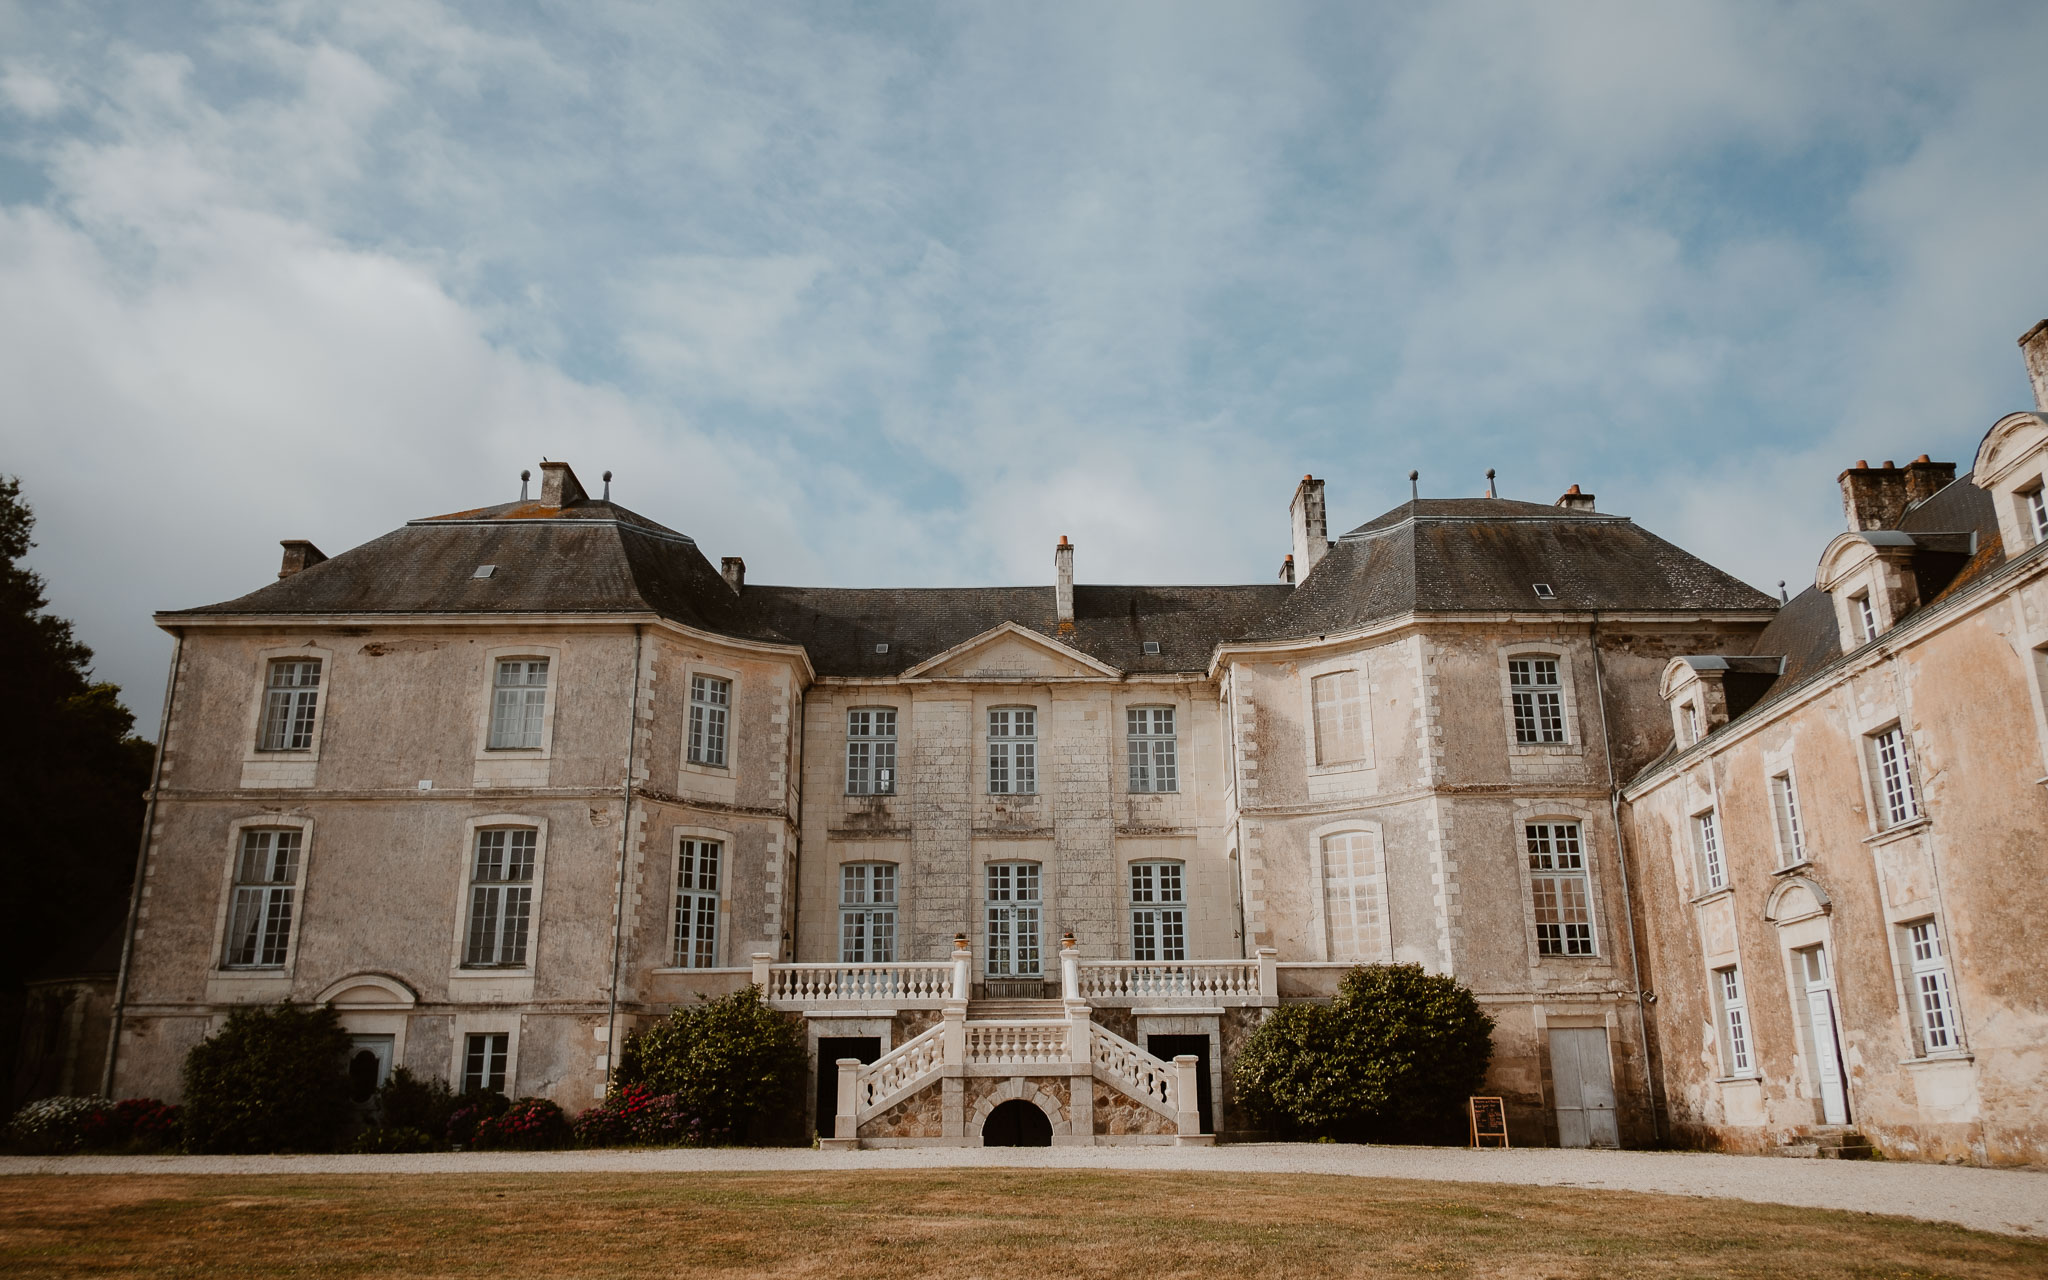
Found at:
(1123, 983)
(1072, 1045)
(1207, 982)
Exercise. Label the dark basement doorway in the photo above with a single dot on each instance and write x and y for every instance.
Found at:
(830, 1050)
(1167, 1048)
(1016, 1123)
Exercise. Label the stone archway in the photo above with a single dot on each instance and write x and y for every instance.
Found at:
(1018, 1089)
(1016, 1123)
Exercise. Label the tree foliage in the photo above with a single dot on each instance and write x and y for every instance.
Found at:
(1391, 1059)
(736, 1067)
(72, 777)
(274, 1078)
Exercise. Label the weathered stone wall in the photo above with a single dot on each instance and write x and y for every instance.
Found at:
(1965, 693)
(921, 1115)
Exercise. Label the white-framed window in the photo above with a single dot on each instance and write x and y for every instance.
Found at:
(1557, 881)
(1706, 842)
(867, 913)
(500, 897)
(485, 1058)
(291, 699)
(1013, 910)
(1934, 1008)
(710, 708)
(1354, 896)
(265, 898)
(1012, 751)
(1898, 800)
(1339, 717)
(519, 703)
(1735, 1054)
(1538, 698)
(1866, 617)
(696, 932)
(1158, 912)
(1785, 810)
(1153, 754)
(2036, 502)
(871, 751)
(1691, 714)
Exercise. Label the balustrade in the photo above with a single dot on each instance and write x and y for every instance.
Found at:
(1206, 982)
(1017, 1043)
(807, 985)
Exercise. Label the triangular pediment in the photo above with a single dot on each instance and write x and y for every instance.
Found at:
(1011, 652)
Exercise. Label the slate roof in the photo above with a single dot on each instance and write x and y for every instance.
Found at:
(594, 557)
(1483, 554)
(840, 626)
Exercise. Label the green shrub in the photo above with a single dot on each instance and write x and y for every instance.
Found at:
(736, 1068)
(56, 1126)
(275, 1078)
(402, 1140)
(407, 1101)
(1391, 1059)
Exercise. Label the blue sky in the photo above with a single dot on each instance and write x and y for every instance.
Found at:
(899, 294)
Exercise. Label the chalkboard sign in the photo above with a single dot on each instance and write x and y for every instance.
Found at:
(1489, 1122)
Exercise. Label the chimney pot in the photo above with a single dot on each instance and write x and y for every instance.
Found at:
(1924, 479)
(559, 486)
(299, 555)
(2034, 346)
(1311, 527)
(1063, 592)
(1573, 500)
(734, 570)
(1287, 571)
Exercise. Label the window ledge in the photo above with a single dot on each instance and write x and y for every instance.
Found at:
(1900, 832)
(1794, 868)
(250, 972)
(1937, 1060)
(1342, 766)
(302, 753)
(670, 969)
(534, 753)
(698, 766)
(1545, 749)
(1713, 895)
(1748, 1079)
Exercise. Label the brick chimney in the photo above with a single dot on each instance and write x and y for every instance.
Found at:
(1924, 479)
(1311, 527)
(1573, 500)
(1063, 594)
(735, 571)
(559, 486)
(299, 554)
(2034, 344)
(1873, 497)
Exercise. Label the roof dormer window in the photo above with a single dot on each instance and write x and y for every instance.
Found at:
(1866, 617)
(1543, 591)
(2036, 500)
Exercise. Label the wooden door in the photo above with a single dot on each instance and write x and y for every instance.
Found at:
(1827, 1041)
(1582, 1080)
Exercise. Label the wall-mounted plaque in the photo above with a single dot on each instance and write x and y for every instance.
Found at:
(1489, 1122)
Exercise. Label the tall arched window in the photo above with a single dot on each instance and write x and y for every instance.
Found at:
(1355, 897)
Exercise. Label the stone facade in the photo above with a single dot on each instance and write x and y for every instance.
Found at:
(1416, 752)
(1854, 946)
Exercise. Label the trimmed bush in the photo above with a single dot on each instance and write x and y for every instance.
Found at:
(530, 1124)
(275, 1078)
(636, 1116)
(601, 1126)
(736, 1067)
(56, 1126)
(139, 1125)
(407, 1101)
(400, 1141)
(1391, 1059)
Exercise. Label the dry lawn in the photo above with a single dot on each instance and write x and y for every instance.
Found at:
(957, 1224)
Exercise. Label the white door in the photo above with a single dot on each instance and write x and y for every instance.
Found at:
(1827, 1048)
(369, 1066)
(1583, 1080)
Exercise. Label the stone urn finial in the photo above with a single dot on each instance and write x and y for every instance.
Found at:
(1068, 941)
(959, 942)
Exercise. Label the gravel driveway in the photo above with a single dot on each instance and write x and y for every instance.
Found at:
(2013, 1202)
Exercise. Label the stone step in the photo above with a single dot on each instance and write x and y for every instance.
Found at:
(1012, 1010)
(1828, 1142)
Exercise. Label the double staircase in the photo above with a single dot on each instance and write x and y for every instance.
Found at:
(1019, 1040)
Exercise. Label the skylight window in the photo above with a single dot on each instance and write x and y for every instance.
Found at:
(1543, 591)
(484, 571)
(882, 647)
(1151, 648)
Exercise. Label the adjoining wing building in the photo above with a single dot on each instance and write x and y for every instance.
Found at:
(506, 784)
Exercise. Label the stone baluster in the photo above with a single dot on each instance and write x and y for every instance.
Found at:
(846, 1123)
(1269, 975)
(762, 959)
(954, 1010)
(962, 977)
(1070, 969)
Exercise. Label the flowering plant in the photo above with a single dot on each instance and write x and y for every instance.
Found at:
(55, 1126)
(530, 1124)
